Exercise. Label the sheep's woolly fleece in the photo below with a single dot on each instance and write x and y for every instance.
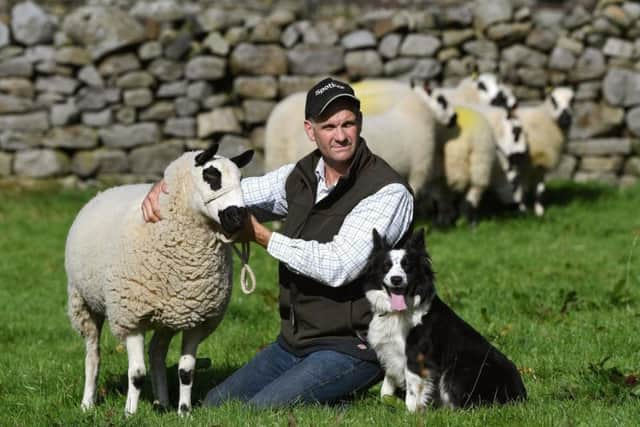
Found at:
(175, 273)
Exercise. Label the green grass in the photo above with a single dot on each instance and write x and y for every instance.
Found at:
(559, 295)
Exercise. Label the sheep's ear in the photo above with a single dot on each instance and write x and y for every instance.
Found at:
(241, 160)
(207, 154)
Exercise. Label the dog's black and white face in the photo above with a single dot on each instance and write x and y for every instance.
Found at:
(398, 279)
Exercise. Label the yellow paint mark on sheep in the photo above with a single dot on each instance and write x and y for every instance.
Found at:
(467, 118)
(375, 98)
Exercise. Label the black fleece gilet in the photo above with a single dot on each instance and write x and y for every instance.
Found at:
(315, 316)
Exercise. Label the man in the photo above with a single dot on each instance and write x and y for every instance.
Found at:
(332, 199)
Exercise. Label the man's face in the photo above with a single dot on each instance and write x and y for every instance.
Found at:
(336, 132)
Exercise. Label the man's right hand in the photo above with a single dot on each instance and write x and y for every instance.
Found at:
(151, 203)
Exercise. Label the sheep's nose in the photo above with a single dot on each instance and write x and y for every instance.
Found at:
(453, 120)
(232, 218)
(564, 121)
(499, 100)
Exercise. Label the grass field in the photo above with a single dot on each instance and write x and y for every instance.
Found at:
(560, 296)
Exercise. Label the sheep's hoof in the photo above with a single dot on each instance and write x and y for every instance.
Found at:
(184, 410)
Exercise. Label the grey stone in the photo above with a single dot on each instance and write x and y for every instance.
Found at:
(19, 140)
(31, 25)
(363, 63)
(521, 55)
(44, 100)
(91, 99)
(135, 80)
(315, 60)
(57, 84)
(615, 15)
(155, 158)
(72, 137)
(17, 86)
(166, 70)
(98, 119)
(161, 110)
(542, 39)
(89, 75)
(186, 107)
(399, 66)
(632, 166)
(14, 104)
(73, 55)
(172, 89)
(213, 19)
(63, 114)
(592, 119)
(607, 178)
(16, 67)
(456, 37)
(160, 11)
(390, 45)
(199, 90)
(420, 45)
(382, 22)
(179, 46)
(265, 87)
(290, 36)
(220, 120)
(565, 169)
(572, 45)
(265, 32)
(216, 44)
(481, 49)
(291, 84)
(622, 87)
(632, 120)
(425, 69)
(588, 91)
(212, 102)
(257, 137)
(5, 38)
(40, 163)
(561, 59)
(590, 65)
(261, 59)
(233, 145)
(205, 68)
(118, 64)
(577, 17)
(256, 110)
(103, 29)
(460, 66)
(359, 39)
(121, 136)
(40, 53)
(509, 33)
(5, 164)
(548, 18)
(30, 122)
(601, 164)
(102, 160)
(150, 50)
(126, 115)
(10, 52)
(183, 127)
(489, 12)
(236, 35)
(320, 33)
(137, 97)
(618, 47)
(600, 147)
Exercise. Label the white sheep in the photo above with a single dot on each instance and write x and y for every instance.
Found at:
(483, 89)
(398, 125)
(170, 276)
(545, 126)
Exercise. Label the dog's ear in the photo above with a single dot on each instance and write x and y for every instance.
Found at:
(417, 239)
(378, 241)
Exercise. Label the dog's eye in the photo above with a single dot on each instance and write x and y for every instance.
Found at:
(387, 264)
(404, 263)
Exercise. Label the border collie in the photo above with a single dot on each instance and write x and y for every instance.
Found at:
(424, 347)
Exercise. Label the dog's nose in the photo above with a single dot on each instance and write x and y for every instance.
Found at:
(396, 280)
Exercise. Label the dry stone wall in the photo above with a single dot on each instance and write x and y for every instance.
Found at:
(102, 92)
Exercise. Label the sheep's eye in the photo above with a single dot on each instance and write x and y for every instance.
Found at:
(516, 132)
(482, 86)
(553, 102)
(442, 101)
(213, 177)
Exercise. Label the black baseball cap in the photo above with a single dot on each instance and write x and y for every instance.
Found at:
(324, 93)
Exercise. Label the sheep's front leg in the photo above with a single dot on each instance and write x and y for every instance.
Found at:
(187, 364)
(158, 348)
(135, 351)
(538, 207)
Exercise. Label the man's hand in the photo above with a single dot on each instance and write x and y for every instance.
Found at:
(253, 231)
(151, 203)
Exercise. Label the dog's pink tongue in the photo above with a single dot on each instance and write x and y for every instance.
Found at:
(398, 303)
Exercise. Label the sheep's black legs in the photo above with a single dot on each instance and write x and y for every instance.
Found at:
(158, 348)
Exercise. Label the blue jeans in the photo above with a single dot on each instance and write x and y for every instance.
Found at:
(275, 377)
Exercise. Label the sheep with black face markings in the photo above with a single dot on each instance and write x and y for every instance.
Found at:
(174, 275)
